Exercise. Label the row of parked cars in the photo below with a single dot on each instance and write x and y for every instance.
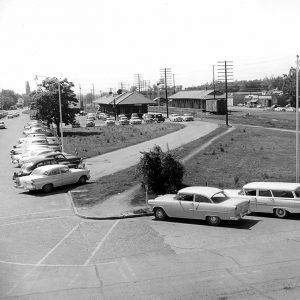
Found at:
(214, 204)
(42, 164)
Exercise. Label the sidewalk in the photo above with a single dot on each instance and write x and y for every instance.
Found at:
(119, 206)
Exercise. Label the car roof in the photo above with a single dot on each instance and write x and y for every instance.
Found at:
(291, 186)
(51, 167)
(40, 159)
(203, 190)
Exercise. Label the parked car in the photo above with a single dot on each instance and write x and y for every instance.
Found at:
(187, 117)
(27, 168)
(148, 118)
(175, 118)
(290, 108)
(82, 113)
(123, 121)
(45, 178)
(91, 116)
(10, 116)
(135, 121)
(102, 116)
(110, 121)
(158, 117)
(89, 123)
(198, 202)
(76, 124)
(63, 158)
(134, 115)
(279, 198)
(2, 125)
(45, 131)
(20, 159)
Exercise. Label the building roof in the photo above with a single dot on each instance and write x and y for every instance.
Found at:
(126, 98)
(199, 94)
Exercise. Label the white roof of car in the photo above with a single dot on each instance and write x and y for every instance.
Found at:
(202, 190)
(51, 167)
(272, 185)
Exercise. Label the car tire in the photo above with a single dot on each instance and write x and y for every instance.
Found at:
(47, 188)
(213, 220)
(160, 214)
(280, 213)
(82, 180)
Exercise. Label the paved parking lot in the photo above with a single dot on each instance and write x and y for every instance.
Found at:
(46, 252)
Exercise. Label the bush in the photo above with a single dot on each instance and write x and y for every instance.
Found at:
(160, 171)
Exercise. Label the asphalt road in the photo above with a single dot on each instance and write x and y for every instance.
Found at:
(46, 252)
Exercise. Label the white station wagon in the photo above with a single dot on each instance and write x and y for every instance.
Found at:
(45, 178)
(280, 198)
(199, 202)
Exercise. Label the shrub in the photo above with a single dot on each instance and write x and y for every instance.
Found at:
(160, 171)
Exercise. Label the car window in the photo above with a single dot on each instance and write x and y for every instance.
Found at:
(39, 164)
(297, 193)
(64, 170)
(202, 199)
(250, 192)
(283, 194)
(54, 172)
(264, 193)
(219, 197)
(185, 197)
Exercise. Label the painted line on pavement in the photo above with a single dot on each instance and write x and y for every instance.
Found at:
(101, 243)
(38, 264)
(35, 213)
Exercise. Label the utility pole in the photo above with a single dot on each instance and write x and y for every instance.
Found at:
(174, 84)
(213, 67)
(225, 70)
(165, 73)
(137, 79)
(93, 94)
(80, 103)
(297, 120)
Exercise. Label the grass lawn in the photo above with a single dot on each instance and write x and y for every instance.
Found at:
(266, 118)
(244, 155)
(92, 141)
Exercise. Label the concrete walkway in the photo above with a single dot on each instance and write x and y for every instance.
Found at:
(119, 206)
(112, 162)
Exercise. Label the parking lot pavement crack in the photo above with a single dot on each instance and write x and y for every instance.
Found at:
(100, 281)
(248, 285)
(223, 255)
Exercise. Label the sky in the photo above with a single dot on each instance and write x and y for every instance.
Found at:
(105, 42)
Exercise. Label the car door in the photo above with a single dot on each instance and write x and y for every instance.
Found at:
(184, 206)
(285, 199)
(66, 176)
(265, 201)
(54, 177)
(203, 206)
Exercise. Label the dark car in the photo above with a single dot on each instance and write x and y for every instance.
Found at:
(76, 124)
(29, 167)
(158, 118)
(66, 159)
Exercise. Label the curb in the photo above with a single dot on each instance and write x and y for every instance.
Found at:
(123, 216)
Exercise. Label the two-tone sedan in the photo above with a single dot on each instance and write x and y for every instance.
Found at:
(199, 202)
(175, 118)
(48, 177)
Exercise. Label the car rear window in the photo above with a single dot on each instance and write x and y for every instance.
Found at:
(219, 197)
(283, 194)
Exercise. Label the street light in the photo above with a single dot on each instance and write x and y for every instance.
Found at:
(60, 111)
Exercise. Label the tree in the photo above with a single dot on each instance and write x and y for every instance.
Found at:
(289, 86)
(160, 171)
(8, 98)
(47, 101)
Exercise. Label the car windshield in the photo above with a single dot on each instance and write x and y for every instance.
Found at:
(39, 171)
(219, 197)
